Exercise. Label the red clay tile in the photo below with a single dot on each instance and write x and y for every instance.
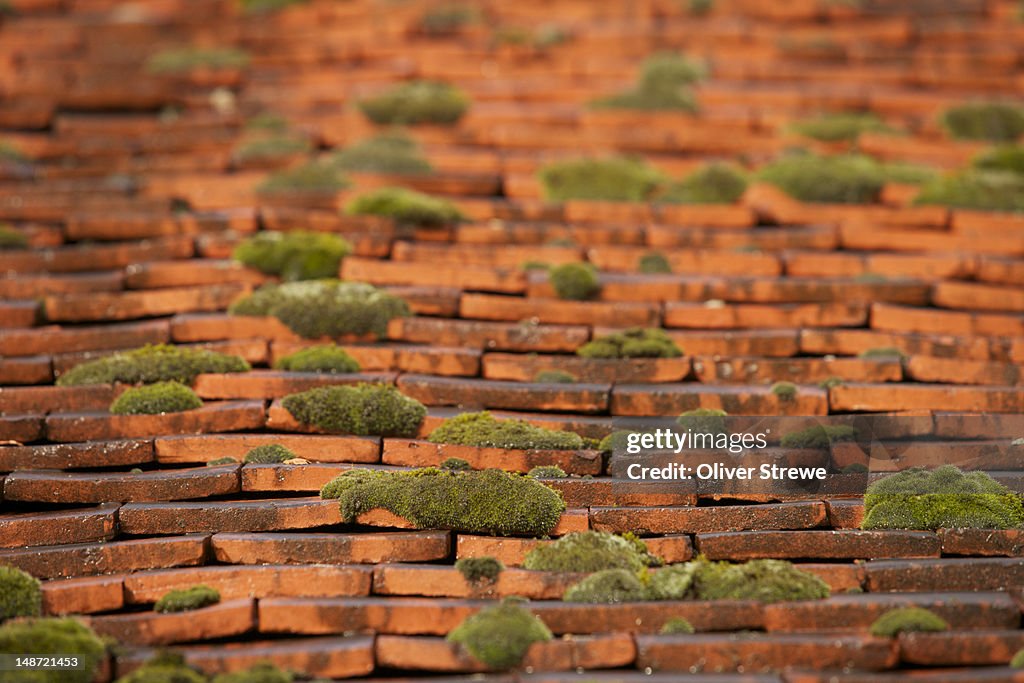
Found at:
(83, 596)
(325, 548)
(844, 544)
(230, 618)
(60, 527)
(74, 487)
(423, 454)
(678, 520)
(89, 559)
(66, 456)
(227, 416)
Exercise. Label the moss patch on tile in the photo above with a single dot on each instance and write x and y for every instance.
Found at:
(20, 594)
(715, 183)
(11, 238)
(390, 153)
(262, 672)
(185, 59)
(417, 102)
(406, 207)
(976, 189)
(844, 179)
(591, 551)
(295, 255)
(187, 599)
(165, 667)
(908, 620)
(54, 637)
(819, 436)
(623, 179)
(156, 399)
(315, 176)
(153, 363)
(479, 569)
(486, 431)
(364, 410)
(489, 501)
(635, 342)
(328, 358)
(992, 121)
(575, 281)
(499, 636)
(943, 498)
(268, 454)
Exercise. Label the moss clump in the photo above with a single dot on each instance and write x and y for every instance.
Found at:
(654, 263)
(675, 582)
(270, 147)
(417, 102)
(392, 153)
(944, 498)
(993, 121)
(883, 352)
(187, 599)
(704, 421)
(554, 377)
(591, 551)
(621, 179)
(20, 594)
(297, 255)
(677, 626)
(819, 436)
(710, 184)
(406, 207)
(185, 59)
(607, 587)
(981, 190)
(575, 281)
(455, 464)
(364, 409)
(265, 6)
(479, 569)
(165, 667)
(500, 635)
(489, 501)
(855, 468)
(325, 308)
(12, 239)
(226, 460)
(328, 358)
(486, 431)
(830, 382)
(156, 399)
(847, 179)
(263, 672)
(1018, 660)
(269, 454)
(57, 637)
(762, 580)
(149, 364)
(547, 472)
(635, 342)
(663, 86)
(447, 19)
(314, 176)
(907, 620)
(1005, 158)
(784, 391)
(845, 127)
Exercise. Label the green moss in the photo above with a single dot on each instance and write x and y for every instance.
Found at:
(266, 123)
(784, 391)
(907, 173)
(297, 255)
(981, 190)
(328, 358)
(941, 499)
(819, 436)
(1018, 660)
(635, 342)
(607, 586)
(710, 184)
(479, 569)
(575, 281)
(165, 667)
(363, 409)
(269, 454)
(186, 599)
(499, 635)
(672, 583)
(20, 594)
(484, 430)
(185, 59)
(156, 399)
(855, 468)
(417, 102)
(9, 152)
(907, 620)
(847, 126)
(676, 626)
(406, 207)
(447, 19)
(992, 121)
(57, 637)
(149, 364)
(882, 353)
(1005, 158)
(554, 377)
(590, 551)
(534, 265)
(616, 441)
(622, 179)
(271, 147)
(263, 672)
(392, 153)
(547, 472)
(226, 460)
(830, 382)
(325, 308)
(663, 86)
(700, 8)
(847, 179)
(314, 176)
(488, 501)
(11, 238)
(654, 263)
(264, 6)
(762, 580)
(704, 421)
(455, 464)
